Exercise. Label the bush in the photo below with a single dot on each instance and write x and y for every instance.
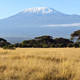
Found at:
(19, 45)
(16, 45)
(8, 47)
(4, 43)
(61, 45)
(76, 45)
(56, 45)
(70, 45)
(52, 45)
(45, 46)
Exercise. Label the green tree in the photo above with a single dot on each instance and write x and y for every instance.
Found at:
(44, 39)
(62, 40)
(76, 44)
(1, 40)
(75, 35)
(70, 45)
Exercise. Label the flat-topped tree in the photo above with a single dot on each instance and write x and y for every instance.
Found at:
(1, 39)
(3, 42)
(62, 40)
(75, 35)
(44, 39)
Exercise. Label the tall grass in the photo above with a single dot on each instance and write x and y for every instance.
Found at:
(40, 64)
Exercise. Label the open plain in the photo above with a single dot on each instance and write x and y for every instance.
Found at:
(40, 64)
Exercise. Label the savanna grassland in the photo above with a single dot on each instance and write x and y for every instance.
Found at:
(40, 64)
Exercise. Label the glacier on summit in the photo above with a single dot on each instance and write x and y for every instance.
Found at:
(42, 10)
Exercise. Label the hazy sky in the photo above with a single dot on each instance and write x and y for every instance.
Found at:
(11, 7)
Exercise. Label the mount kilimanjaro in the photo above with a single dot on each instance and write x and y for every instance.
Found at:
(39, 21)
(37, 17)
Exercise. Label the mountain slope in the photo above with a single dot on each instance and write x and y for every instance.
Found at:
(30, 21)
(34, 17)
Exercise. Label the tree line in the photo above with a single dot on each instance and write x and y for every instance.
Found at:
(44, 42)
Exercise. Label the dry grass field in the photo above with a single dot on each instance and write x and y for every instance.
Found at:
(40, 64)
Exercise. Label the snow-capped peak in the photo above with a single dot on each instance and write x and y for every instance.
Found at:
(42, 10)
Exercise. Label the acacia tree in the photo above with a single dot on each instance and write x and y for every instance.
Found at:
(3, 42)
(1, 39)
(62, 40)
(75, 35)
(44, 39)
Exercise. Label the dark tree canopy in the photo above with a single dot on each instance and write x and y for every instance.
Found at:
(44, 37)
(46, 41)
(1, 39)
(76, 35)
(62, 40)
(3, 42)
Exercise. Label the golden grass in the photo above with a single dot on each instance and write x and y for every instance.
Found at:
(40, 64)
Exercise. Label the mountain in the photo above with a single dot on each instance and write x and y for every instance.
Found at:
(35, 22)
(37, 17)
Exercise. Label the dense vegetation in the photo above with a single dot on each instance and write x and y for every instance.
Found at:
(3, 42)
(76, 35)
(44, 42)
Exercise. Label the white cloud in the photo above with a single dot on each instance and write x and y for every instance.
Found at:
(63, 25)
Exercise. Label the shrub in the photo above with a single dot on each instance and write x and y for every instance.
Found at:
(19, 45)
(76, 45)
(8, 47)
(45, 46)
(52, 45)
(37, 45)
(61, 45)
(56, 45)
(24, 45)
(70, 45)
(16, 45)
